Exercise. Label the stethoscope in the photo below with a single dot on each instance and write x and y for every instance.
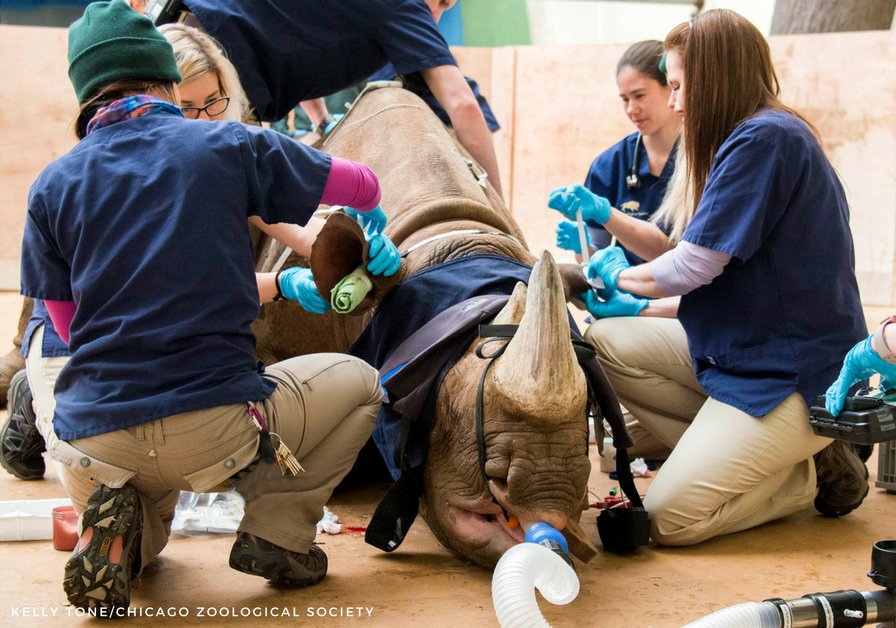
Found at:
(632, 180)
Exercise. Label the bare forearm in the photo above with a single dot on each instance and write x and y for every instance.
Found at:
(299, 239)
(448, 85)
(641, 237)
(267, 288)
(666, 307)
(639, 280)
(316, 110)
(472, 132)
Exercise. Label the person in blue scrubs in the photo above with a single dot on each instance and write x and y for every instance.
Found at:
(763, 320)
(147, 272)
(289, 52)
(631, 176)
(210, 90)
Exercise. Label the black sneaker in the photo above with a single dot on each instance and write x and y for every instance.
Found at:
(254, 555)
(107, 558)
(842, 480)
(21, 445)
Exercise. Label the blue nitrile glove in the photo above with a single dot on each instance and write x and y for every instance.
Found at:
(568, 199)
(373, 221)
(568, 237)
(617, 304)
(861, 362)
(607, 263)
(384, 257)
(296, 284)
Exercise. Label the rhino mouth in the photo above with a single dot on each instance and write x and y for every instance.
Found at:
(484, 521)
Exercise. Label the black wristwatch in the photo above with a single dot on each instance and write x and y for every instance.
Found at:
(327, 121)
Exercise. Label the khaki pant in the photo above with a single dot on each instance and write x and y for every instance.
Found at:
(324, 409)
(728, 471)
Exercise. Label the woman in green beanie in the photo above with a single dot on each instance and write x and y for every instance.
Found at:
(136, 240)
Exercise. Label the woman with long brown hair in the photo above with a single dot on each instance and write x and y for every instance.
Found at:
(763, 323)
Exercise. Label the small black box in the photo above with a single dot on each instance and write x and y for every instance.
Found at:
(623, 530)
(864, 420)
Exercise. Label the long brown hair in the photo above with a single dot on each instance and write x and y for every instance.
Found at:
(729, 76)
(114, 90)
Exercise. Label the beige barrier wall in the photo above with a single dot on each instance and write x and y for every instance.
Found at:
(558, 109)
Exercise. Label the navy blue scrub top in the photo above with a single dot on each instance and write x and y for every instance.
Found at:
(143, 225)
(606, 178)
(416, 84)
(287, 51)
(52, 345)
(786, 308)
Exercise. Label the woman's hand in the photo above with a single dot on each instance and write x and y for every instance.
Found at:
(615, 304)
(571, 198)
(568, 237)
(384, 257)
(861, 362)
(297, 284)
(607, 264)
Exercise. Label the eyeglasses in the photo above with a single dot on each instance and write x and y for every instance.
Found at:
(214, 108)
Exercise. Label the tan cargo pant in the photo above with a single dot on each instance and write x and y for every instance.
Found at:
(324, 409)
(728, 471)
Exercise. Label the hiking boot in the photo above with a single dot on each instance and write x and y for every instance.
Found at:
(13, 362)
(107, 558)
(842, 480)
(21, 445)
(254, 555)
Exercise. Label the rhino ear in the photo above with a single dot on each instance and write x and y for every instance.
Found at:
(512, 313)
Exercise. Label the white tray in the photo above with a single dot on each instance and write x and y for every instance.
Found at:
(28, 519)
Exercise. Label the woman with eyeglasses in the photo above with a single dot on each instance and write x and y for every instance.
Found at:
(763, 321)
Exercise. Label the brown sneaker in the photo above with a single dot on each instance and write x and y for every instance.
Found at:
(254, 555)
(842, 480)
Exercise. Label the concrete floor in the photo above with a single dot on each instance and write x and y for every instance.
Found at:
(423, 584)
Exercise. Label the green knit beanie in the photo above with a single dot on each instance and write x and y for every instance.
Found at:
(111, 41)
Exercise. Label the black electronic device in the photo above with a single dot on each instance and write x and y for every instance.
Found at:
(164, 11)
(863, 420)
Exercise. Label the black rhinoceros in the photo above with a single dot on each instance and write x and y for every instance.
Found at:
(458, 240)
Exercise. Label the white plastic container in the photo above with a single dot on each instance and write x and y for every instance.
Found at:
(28, 519)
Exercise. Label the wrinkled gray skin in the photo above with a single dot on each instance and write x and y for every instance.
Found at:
(535, 395)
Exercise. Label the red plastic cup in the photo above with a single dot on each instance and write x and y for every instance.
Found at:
(65, 528)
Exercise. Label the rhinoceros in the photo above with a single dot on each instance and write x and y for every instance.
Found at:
(458, 240)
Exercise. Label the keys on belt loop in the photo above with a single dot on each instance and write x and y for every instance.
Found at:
(266, 450)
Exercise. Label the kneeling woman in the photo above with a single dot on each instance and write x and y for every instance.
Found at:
(137, 242)
(764, 322)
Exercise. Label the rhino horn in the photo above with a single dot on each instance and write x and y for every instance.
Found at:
(538, 375)
(512, 312)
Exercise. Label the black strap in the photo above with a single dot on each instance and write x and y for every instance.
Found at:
(480, 402)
